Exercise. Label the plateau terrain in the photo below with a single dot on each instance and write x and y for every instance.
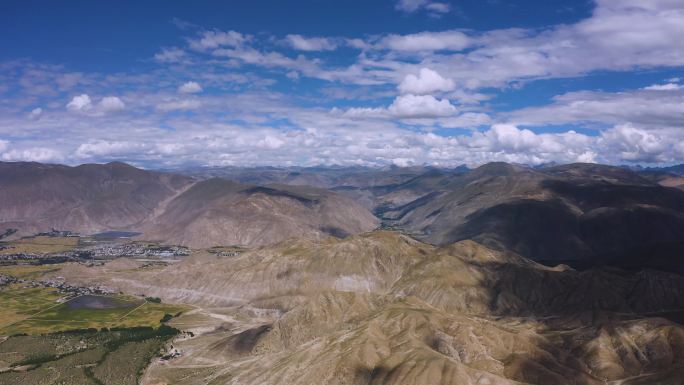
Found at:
(503, 274)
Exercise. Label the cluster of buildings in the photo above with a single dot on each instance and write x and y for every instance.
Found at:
(115, 250)
(38, 258)
(228, 254)
(65, 288)
(58, 233)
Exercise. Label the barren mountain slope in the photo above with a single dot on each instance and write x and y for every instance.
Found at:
(88, 198)
(222, 212)
(383, 308)
(323, 177)
(581, 214)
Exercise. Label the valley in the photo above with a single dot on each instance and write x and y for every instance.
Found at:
(487, 299)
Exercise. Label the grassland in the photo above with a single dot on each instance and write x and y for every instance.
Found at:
(19, 303)
(37, 311)
(29, 271)
(40, 245)
(57, 338)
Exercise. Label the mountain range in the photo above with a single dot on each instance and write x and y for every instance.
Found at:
(168, 207)
(577, 214)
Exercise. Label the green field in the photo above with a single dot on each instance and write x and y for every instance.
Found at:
(48, 337)
(36, 311)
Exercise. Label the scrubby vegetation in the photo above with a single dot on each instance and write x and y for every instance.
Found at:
(88, 356)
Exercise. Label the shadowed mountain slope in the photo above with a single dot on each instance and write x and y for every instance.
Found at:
(582, 214)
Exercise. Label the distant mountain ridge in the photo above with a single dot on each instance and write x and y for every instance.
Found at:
(169, 207)
(87, 198)
(579, 214)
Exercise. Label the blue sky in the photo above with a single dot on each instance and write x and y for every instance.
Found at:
(244, 83)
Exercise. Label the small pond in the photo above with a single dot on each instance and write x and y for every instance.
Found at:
(115, 234)
(99, 302)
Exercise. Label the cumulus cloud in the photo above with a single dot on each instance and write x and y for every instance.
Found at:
(509, 143)
(443, 81)
(35, 113)
(420, 106)
(80, 103)
(406, 106)
(638, 145)
(434, 7)
(111, 103)
(302, 43)
(4, 144)
(83, 104)
(190, 88)
(427, 81)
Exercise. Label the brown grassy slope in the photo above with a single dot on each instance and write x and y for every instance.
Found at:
(221, 212)
(88, 198)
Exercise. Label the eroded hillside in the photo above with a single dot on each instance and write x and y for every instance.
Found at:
(383, 308)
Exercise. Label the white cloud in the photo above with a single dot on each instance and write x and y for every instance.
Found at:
(638, 145)
(83, 104)
(427, 41)
(104, 148)
(406, 106)
(3, 145)
(35, 113)
(302, 43)
(507, 137)
(216, 39)
(427, 81)
(444, 80)
(184, 104)
(111, 103)
(170, 55)
(190, 88)
(80, 103)
(664, 87)
(645, 108)
(33, 154)
(420, 106)
(410, 6)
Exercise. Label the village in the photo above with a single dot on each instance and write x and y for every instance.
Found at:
(57, 283)
(83, 249)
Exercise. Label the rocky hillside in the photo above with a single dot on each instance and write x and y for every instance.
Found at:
(383, 308)
(89, 198)
(579, 214)
(169, 208)
(222, 212)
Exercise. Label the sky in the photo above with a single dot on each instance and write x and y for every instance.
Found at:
(173, 84)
